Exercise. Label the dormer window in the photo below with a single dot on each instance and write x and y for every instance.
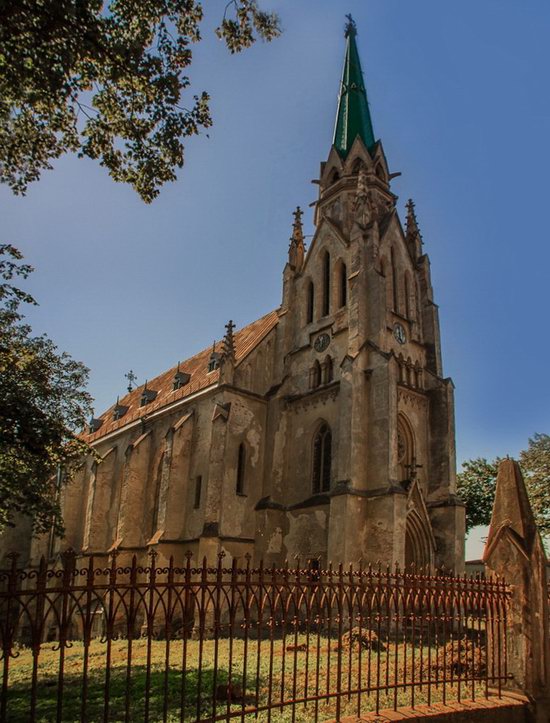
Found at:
(94, 425)
(119, 411)
(147, 396)
(214, 361)
(181, 379)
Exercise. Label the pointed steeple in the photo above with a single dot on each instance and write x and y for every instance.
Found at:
(353, 117)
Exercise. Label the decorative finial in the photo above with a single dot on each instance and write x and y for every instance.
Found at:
(228, 344)
(412, 231)
(296, 251)
(297, 229)
(132, 378)
(351, 27)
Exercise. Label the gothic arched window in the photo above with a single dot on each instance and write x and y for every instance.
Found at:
(326, 283)
(395, 290)
(310, 301)
(388, 281)
(315, 375)
(241, 469)
(327, 370)
(157, 492)
(322, 459)
(342, 284)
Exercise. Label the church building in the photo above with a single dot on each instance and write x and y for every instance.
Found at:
(322, 431)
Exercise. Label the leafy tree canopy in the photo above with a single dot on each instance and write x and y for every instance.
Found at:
(106, 80)
(43, 404)
(477, 482)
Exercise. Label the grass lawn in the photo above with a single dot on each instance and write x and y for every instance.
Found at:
(294, 674)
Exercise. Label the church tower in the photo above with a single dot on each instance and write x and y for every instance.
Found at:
(363, 453)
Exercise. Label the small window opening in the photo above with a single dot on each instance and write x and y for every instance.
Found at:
(343, 286)
(241, 465)
(310, 302)
(198, 491)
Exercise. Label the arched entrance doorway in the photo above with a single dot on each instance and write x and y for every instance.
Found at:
(418, 547)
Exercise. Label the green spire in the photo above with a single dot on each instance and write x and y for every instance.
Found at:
(353, 117)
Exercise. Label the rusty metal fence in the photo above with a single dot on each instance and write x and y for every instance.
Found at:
(126, 642)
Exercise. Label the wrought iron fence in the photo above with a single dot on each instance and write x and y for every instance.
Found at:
(128, 642)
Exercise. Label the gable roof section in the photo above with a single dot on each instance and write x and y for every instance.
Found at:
(246, 340)
(332, 229)
(386, 223)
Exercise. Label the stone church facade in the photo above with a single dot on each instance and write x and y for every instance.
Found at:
(324, 430)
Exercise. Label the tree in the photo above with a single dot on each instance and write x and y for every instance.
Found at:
(105, 81)
(535, 462)
(43, 405)
(476, 486)
(477, 482)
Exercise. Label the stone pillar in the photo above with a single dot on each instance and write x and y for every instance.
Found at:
(132, 497)
(72, 510)
(209, 543)
(174, 494)
(514, 551)
(98, 533)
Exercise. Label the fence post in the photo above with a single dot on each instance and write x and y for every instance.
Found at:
(514, 551)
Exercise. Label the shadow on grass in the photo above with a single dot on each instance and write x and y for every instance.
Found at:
(46, 707)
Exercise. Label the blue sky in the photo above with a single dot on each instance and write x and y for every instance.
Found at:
(459, 95)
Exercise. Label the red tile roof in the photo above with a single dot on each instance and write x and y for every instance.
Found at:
(197, 366)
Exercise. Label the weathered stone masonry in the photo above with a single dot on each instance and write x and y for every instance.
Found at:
(323, 430)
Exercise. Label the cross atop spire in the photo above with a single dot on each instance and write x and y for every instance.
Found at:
(351, 27)
(353, 116)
